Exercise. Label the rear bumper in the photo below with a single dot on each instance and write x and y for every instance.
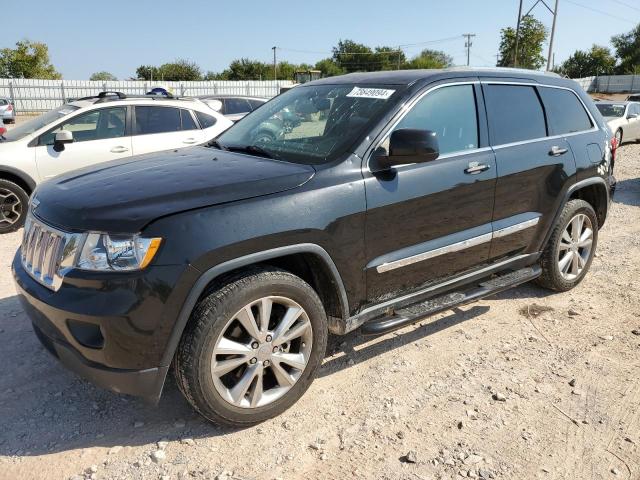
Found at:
(146, 384)
(8, 115)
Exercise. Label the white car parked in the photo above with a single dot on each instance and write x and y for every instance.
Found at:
(90, 131)
(623, 119)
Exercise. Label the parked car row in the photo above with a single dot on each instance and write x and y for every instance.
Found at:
(86, 132)
(366, 201)
(623, 119)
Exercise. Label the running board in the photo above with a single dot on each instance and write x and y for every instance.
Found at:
(416, 312)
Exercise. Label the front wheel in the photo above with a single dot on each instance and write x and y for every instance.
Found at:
(569, 253)
(252, 347)
(14, 202)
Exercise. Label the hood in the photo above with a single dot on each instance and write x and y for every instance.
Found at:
(125, 195)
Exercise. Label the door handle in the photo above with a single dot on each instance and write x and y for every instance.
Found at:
(475, 167)
(119, 149)
(189, 140)
(557, 151)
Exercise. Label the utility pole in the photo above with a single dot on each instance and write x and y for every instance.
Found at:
(275, 64)
(468, 44)
(515, 53)
(553, 31)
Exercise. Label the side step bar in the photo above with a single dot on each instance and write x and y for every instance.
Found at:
(416, 312)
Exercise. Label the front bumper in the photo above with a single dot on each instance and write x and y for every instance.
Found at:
(133, 316)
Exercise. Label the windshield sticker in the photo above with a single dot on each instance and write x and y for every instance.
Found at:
(380, 93)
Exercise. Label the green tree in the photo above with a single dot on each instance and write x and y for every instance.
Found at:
(627, 47)
(351, 56)
(430, 59)
(103, 76)
(596, 61)
(533, 34)
(147, 72)
(329, 67)
(27, 60)
(178, 70)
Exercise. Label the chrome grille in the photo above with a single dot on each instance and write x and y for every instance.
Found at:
(47, 253)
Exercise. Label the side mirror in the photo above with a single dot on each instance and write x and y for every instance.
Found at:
(62, 137)
(408, 145)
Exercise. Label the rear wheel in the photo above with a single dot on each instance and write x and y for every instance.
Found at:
(14, 202)
(569, 253)
(252, 347)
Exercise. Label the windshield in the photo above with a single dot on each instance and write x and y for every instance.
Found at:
(37, 123)
(310, 124)
(611, 110)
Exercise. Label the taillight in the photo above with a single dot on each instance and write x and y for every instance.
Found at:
(2, 131)
(10, 108)
(614, 148)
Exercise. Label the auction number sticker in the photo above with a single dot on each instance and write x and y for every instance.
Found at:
(380, 93)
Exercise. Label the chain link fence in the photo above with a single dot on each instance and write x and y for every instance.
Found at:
(30, 96)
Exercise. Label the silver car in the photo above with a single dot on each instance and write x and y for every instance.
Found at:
(7, 112)
(623, 119)
(234, 107)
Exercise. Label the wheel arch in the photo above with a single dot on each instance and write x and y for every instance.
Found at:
(18, 177)
(309, 261)
(596, 194)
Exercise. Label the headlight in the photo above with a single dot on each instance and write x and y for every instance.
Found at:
(102, 251)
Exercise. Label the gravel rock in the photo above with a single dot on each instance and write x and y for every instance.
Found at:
(410, 457)
(188, 441)
(636, 331)
(572, 382)
(573, 312)
(498, 397)
(158, 456)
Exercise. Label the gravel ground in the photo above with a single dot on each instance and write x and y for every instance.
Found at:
(524, 385)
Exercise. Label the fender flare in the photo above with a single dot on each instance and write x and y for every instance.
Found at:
(251, 259)
(577, 186)
(30, 182)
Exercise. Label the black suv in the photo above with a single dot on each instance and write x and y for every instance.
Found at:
(395, 195)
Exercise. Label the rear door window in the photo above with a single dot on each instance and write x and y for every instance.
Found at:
(151, 120)
(515, 113)
(565, 113)
(236, 105)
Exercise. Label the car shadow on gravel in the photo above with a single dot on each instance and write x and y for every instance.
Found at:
(628, 192)
(46, 409)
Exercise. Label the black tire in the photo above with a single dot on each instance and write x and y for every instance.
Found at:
(551, 277)
(192, 363)
(13, 191)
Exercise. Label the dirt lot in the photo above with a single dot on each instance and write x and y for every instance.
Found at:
(526, 385)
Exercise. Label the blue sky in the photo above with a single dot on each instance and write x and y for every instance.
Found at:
(84, 37)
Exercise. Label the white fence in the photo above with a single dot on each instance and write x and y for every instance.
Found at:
(611, 83)
(33, 95)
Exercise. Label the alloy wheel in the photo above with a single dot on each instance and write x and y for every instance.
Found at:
(10, 207)
(261, 352)
(574, 248)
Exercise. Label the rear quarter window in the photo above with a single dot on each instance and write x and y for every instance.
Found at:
(565, 112)
(515, 113)
(205, 120)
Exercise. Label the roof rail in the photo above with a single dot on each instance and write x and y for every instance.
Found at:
(504, 70)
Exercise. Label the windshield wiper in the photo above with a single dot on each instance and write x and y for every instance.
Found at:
(251, 150)
(215, 144)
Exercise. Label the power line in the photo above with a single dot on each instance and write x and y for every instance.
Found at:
(601, 12)
(627, 5)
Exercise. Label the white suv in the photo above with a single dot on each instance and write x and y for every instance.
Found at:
(93, 130)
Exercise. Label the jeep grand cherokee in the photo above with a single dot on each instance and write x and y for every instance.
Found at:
(393, 196)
